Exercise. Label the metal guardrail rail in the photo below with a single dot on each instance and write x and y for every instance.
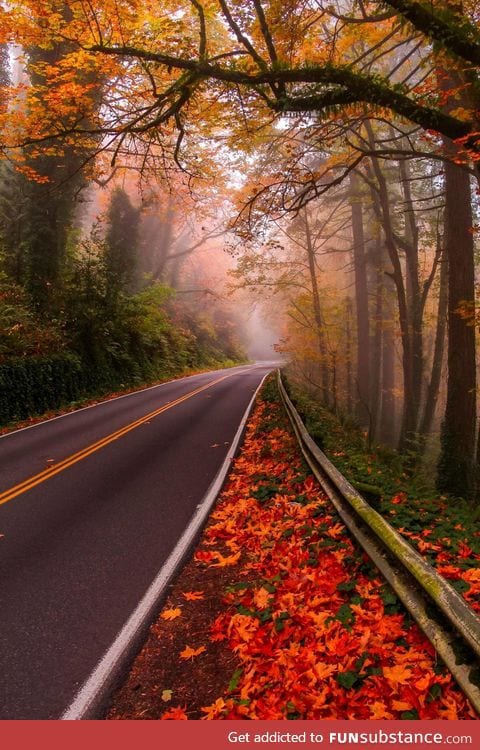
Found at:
(455, 634)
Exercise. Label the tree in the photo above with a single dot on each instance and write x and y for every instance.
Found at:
(361, 300)
(457, 460)
(181, 86)
(270, 59)
(121, 242)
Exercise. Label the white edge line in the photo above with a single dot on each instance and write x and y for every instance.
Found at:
(95, 690)
(107, 400)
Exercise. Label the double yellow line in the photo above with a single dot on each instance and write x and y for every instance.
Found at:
(33, 481)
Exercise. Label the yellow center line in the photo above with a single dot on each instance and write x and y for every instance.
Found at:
(51, 471)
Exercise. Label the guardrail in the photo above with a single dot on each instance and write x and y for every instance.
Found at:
(455, 633)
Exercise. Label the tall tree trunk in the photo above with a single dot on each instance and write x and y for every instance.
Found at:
(333, 359)
(349, 357)
(414, 292)
(376, 370)
(438, 352)
(456, 474)
(317, 312)
(456, 466)
(51, 204)
(387, 421)
(381, 205)
(361, 304)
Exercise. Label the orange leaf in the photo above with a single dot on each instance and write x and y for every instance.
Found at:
(175, 713)
(401, 706)
(189, 652)
(224, 561)
(171, 614)
(261, 598)
(324, 670)
(397, 675)
(215, 710)
(423, 683)
(379, 711)
(192, 596)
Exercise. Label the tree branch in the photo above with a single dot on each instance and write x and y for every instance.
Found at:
(457, 34)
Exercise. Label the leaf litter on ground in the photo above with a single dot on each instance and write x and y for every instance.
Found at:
(295, 622)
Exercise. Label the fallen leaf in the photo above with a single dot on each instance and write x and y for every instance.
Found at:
(423, 683)
(175, 713)
(189, 652)
(397, 675)
(379, 711)
(223, 562)
(192, 596)
(261, 598)
(215, 710)
(171, 614)
(167, 695)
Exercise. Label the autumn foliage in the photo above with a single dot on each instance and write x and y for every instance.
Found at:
(313, 630)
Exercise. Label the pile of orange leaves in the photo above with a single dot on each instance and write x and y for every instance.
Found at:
(316, 632)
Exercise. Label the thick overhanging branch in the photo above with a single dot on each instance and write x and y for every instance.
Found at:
(458, 35)
(345, 86)
(380, 95)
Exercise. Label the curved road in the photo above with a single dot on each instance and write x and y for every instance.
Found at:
(91, 505)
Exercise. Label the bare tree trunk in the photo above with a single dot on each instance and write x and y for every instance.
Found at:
(376, 369)
(456, 466)
(456, 471)
(387, 421)
(348, 356)
(317, 312)
(333, 359)
(414, 295)
(382, 210)
(438, 352)
(361, 303)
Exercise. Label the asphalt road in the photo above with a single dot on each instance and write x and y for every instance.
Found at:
(91, 505)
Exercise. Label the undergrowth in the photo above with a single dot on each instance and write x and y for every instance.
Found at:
(443, 529)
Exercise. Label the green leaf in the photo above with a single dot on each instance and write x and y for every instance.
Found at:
(413, 714)
(347, 679)
(233, 684)
(345, 615)
(280, 621)
(434, 692)
(347, 585)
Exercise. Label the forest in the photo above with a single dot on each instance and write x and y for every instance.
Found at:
(332, 149)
